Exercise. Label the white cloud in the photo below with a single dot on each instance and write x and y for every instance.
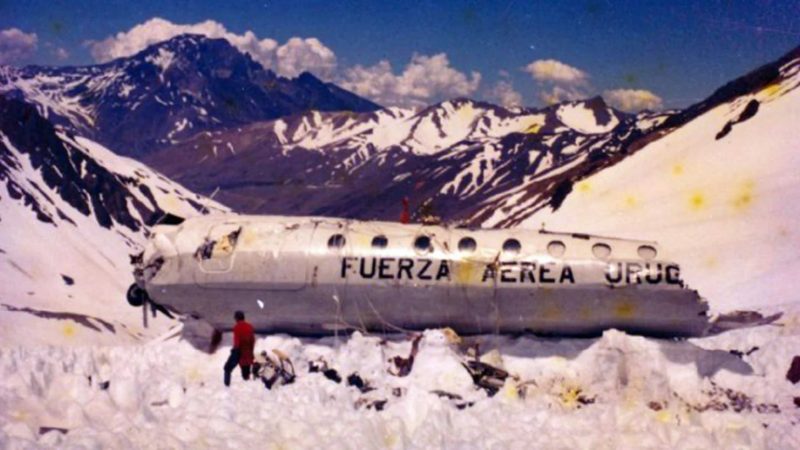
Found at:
(295, 56)
(424, 79)
(504, 93)
(552, 71)
(558, 82)
(558, 94)
(299, 55)
(61, 53)
(16, 45)
(633, 100)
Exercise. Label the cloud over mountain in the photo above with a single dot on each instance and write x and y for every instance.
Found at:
(551, 70)
(423, 80)
(558, 81)
(16, 45)
(632, 100)
(503, 92)
(290, 59)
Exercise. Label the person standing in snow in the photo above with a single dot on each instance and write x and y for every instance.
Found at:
(405, 216)
(244, 341)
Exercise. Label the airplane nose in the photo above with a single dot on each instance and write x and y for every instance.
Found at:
(164, 246)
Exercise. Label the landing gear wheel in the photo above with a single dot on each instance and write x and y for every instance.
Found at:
(136, 296)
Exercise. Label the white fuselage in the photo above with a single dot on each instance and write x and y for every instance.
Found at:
(313, 275)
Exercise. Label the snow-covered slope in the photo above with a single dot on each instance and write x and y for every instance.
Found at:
(721, 192)
(615, 392)
(71, 212)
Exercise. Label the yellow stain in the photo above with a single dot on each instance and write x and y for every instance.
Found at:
(744, 197)
(389, 440)
(677, 169)
(585, 313)
(452, 337)
(711, 262)
(533, 129)
(465, 112)
(248, 237)
(583, 187)
(224, 247)
(569, 396)
(771, 90)
(625, 309)
(466, 271)
(362, 240)
(631, 201)
(743, 200)
(697, 201)
(558, 361)
(510, 391)
(194, 374)
(664, 416)
(69, 330)
(170, 202)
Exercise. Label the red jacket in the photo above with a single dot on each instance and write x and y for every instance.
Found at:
(245, 340)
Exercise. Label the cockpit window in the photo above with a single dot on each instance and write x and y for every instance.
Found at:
(380, 242)
(467, 245)
(647, 252)
(336, 242)
(556, 248)
(511, 246)
(423, 244)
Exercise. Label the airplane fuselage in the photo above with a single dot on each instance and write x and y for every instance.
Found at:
(314, 275)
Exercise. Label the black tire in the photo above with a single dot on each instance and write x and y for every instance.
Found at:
(136, 296)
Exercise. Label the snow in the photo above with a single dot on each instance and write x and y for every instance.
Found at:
(48, 93)
(443, 127)
(578, 117)
(617, 391)
(488, 158)
(35, 255)
(163, 59)
(727, 210)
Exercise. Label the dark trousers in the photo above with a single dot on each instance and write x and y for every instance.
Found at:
(231, 363)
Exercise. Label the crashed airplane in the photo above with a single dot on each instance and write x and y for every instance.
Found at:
(317, 275)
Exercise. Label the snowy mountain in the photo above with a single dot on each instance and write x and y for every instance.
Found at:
(71, 212)
(458, 155)
(172, 89)
(720, 191)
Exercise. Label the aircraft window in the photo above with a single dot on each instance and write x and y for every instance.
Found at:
(511, 246)
(336, 241)
(380, 242)
(556, 248)
(423, 244)
(467, 245)
(647, 252)
(601, 251)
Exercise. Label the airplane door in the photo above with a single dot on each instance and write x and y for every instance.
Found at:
(249, 257)
(217, 252)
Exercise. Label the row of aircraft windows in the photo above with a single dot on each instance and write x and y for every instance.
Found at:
(511, 246)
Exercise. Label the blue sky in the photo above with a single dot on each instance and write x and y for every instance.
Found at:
(680, 51)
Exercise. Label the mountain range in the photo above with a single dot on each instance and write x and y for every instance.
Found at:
(174, 89)
(214, 120)
(92, 156)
